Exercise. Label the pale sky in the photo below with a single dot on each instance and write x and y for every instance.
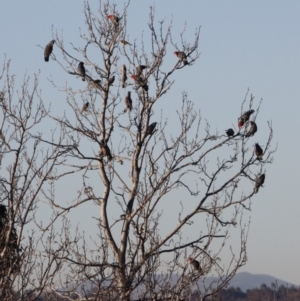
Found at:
(254, 44)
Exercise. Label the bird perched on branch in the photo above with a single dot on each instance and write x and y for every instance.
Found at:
(252, 130)
(258, 151)
(124, 76)
(247, 115)
(241, 123)
(85, 107)
(124, 42)
(2, 137)
(139, 69)
(96, 84)
(115, 19)
(195, 263)
(139, 81)
(105, 151)
(111, 80)
(48, 50)
(230, 132)
(81, 70)
(259, 182)
(151, 128)
(128, 102)
(182, 57)
(244, 118)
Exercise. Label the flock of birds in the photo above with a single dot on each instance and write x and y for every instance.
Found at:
(257, 148)
(259, 154)
(137, 77)
(141, 83)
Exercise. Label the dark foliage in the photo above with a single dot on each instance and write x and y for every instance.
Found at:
(9, 259)
(263, 293)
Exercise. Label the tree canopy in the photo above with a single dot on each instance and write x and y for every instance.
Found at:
(165, 196)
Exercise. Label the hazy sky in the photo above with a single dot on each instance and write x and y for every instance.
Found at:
(253, 44)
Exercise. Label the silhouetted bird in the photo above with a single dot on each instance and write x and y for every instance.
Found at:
(96, 84)
(128, 102)
(139, 69)
(244, 118)
(84, 108)
(124, 76)
(252, 130)
(111, 80)
(247, 115)
(115, 19)
(151, 128)
(105, 151)
(124, 42)
(241, 123)
(81, 70)
(48, 50)
(140, 82)
(195, 263)
(2, 137)
(230, 132)
(182, 57)
(258, 151)
(259, 182)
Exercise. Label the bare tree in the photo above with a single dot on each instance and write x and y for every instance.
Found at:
(25, 168)
(145, 170)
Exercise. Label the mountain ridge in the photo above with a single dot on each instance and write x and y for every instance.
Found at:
(243, 280)
(246, 281)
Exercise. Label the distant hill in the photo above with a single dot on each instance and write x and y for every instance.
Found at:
(245, 281)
